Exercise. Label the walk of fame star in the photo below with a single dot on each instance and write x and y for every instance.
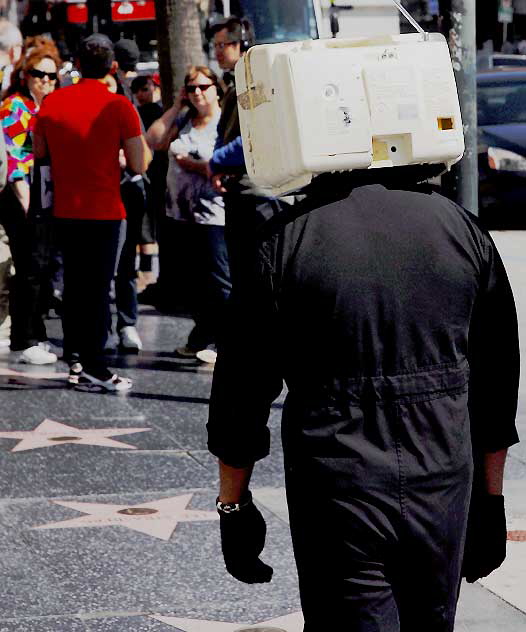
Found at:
(289, 623)
(157, 518)
(49, 433)
(34, 375)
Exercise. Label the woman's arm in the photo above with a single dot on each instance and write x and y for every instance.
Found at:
(17, 131)
(21, 190)
(193, 164)
(164, 130)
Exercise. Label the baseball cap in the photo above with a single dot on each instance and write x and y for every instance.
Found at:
(126, 53)
(95, 56)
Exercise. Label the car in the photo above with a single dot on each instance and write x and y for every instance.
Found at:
(487, 61)
(501, 108)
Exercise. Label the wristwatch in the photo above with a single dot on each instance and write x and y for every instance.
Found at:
(228, 508)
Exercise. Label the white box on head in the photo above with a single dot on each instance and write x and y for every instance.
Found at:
(335, 105)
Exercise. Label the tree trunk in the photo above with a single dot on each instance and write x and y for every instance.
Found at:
(179, 43)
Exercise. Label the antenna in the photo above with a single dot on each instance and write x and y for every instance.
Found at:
(411, 19)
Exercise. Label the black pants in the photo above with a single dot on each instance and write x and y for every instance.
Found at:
(378, 539)
(89, 250)
(31, 241)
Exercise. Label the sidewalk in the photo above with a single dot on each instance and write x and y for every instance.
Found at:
(107, 520)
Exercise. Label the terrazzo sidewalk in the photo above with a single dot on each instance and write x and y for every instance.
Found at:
(107, 520)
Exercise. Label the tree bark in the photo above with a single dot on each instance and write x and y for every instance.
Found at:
(179, 43)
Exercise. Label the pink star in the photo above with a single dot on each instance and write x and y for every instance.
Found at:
(34, 375)
(49, 433)
(289, 623)
(158, 518)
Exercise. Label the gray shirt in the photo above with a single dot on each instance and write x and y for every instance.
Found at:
(190, 195)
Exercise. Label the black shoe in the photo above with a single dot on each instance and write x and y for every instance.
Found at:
(115, 382)
(75, 371)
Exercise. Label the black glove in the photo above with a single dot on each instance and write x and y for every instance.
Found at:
(242, 540)
(485, 548)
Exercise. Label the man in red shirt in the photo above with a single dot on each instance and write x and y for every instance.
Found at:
(82, 132)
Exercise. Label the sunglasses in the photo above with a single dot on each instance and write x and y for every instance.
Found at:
(202, 87)
(223, 45)
(40, 74)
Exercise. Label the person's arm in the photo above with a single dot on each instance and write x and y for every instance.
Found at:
(494, 360)
(40, 149)
(137, 153)
(239, 409)
(21, 191)
(164, 130)
(240, 401)
(228, 156)
(493, 355)
(223, 160)
(233, 482)
(19, 152)
(494, 471)
(3, 162)
(193, 164)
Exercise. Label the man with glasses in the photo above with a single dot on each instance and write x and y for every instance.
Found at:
(231, 39)
(245, 206)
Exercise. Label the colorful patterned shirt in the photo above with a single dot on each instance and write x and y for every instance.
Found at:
(17, 118)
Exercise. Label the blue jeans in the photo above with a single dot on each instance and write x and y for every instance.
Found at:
(210, 282)
(134, 199)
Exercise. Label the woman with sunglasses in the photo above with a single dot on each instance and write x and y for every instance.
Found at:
(192, 200)
(35, 76)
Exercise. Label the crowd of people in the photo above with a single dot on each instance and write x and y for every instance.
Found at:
(196, 147)
(393, 458)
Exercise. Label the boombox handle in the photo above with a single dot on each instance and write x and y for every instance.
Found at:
(411, 19)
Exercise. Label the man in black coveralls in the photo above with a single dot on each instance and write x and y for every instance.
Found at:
(387, 311)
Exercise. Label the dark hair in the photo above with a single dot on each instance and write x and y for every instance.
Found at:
(191, 74)
(140, 82)
(239, 30)
(95, 56)
(27, 62)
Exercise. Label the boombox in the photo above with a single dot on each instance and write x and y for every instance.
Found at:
(335, 105)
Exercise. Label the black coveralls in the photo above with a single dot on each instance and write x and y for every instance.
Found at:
(382, 312)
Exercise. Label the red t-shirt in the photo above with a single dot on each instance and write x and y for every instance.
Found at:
(84, 127)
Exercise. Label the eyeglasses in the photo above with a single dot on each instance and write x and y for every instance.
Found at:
(223, 45)
(40, 74)
(203, 87)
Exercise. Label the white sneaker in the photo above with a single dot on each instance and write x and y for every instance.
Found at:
(37, 355)
(208, 355)
(130, 339)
